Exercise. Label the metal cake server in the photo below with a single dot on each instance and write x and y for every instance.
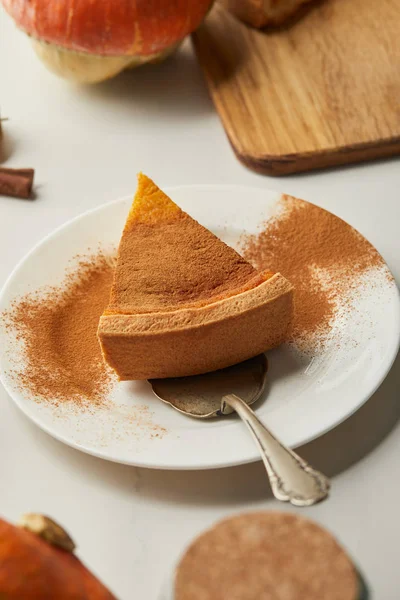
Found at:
(233, 389)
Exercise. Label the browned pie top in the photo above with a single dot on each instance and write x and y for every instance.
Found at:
(266, 556)
(166, 260)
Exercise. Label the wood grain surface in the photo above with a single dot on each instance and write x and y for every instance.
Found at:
(322, 91)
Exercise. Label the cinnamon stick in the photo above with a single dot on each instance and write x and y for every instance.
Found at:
(16, 182)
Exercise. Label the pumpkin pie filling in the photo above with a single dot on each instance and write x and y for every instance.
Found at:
(182, 301)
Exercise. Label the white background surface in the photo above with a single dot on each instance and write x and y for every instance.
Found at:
(86, 145)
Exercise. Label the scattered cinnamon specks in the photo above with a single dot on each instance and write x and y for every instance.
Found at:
(57, 327)
(322, 256)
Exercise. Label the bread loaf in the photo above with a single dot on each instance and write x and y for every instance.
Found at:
(260, 13)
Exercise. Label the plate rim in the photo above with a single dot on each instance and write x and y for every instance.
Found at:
(137, 462)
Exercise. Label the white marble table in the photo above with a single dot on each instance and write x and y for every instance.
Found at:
(86, 145)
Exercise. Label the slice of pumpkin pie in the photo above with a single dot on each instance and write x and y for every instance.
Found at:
(182, 301)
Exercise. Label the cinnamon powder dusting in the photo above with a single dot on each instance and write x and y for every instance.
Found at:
(57, 326)
(321, 255)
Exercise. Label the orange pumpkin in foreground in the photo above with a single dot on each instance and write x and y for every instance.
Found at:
(92, 40)
(32, 568)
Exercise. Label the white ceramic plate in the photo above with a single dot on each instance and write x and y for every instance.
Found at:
(305, 397)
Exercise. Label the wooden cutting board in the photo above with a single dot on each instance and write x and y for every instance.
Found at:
(323, 91)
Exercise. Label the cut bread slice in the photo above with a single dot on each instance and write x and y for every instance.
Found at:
(182, 301)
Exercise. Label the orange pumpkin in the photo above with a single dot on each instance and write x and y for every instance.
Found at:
(91, 40)
(32, 568)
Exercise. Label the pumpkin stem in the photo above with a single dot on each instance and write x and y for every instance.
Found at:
(48, 530)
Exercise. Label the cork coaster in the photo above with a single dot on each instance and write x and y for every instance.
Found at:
(266, 556)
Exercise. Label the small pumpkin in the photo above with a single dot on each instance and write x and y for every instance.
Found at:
(37, 562)
(92, 40)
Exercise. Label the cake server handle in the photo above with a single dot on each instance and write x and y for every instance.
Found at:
(292, 479)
